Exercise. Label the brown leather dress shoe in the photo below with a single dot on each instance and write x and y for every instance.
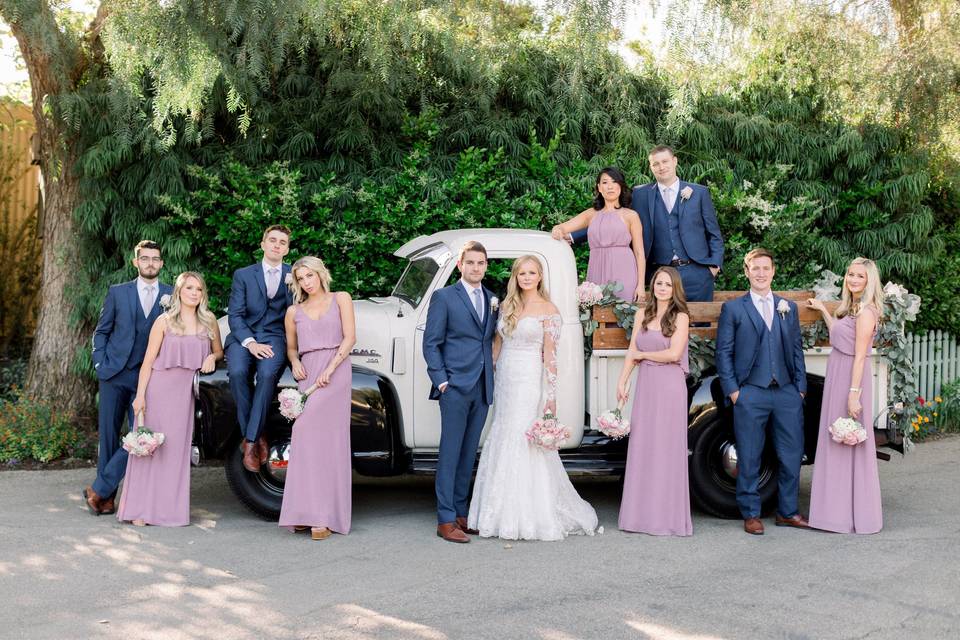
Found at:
(92, 500)
(251, 459)
(753, 526)
(263, 450)
(797, 521)
(450, 532)
(108, 507)
(462, 525)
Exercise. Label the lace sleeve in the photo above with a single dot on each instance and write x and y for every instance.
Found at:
(551, 336)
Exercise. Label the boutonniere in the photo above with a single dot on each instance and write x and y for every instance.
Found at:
(685, 193)
(165, 301)
(288, 279)
(494, 303)
(783, 308)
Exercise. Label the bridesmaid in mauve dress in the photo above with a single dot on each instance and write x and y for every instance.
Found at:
(615, 236)
(845, 494)
(656, 495)
(156, 489)
(320, 335)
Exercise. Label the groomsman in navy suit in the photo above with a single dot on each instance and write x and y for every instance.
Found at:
(119, 344)
(680, 226)
(458, 348)
(257, 346)
(760, 367)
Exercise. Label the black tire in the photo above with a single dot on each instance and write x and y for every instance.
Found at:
(261, 492)
(712, 488)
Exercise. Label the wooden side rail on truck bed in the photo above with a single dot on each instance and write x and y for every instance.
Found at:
(705, 314)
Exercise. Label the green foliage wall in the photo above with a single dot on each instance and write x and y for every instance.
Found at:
(462, 129)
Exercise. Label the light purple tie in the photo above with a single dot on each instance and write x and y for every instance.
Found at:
(477, 304)
(147, 300)
(767, 314)
(273, 283)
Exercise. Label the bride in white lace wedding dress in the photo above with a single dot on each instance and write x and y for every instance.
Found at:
(522, 491)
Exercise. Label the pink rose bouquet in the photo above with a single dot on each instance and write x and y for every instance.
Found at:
(847, 431)
(142, 442)
(589, 294)
(292, 402)
(548, 433)
(613, 425)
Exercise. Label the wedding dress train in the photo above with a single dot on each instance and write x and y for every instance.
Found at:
(522, 491)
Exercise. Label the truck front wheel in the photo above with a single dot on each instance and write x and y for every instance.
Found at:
(713, 472)
(261, 492)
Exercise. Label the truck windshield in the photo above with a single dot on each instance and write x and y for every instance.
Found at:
(416, 280)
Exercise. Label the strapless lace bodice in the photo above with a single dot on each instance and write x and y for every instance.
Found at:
(532, 346)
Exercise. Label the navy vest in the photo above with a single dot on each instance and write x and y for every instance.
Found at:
(142, 335)
(272, 322)
(666, 245)
(770, 364)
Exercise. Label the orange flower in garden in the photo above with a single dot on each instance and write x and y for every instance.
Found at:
(938, 399)
(916, 427)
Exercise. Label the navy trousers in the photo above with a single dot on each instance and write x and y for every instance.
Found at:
(116, 400)
(697, 282)
(254, 383)
(462, 415)
(755, 408)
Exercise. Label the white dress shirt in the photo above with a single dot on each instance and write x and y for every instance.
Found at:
(757, 302)
(142, 292)
(669, 194)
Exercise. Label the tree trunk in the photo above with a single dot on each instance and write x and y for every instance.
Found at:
(52, 372)
(55, 63)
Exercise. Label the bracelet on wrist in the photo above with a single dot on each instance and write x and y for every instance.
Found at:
(857, 389)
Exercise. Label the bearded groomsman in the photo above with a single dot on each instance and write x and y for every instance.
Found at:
(256, 347)
(761, 370)
(119, 344)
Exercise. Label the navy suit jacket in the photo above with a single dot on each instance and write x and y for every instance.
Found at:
(699, 229)
(115, 334)
(738, 343)
(457, 346)
(248, 302)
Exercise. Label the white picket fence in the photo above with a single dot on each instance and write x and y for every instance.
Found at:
(936, 360)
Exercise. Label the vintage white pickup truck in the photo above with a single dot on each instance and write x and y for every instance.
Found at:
(395, 427)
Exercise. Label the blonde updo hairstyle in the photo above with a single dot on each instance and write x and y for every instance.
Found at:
(204, 316)
(316, 265)
(872, 292)
(513, 304)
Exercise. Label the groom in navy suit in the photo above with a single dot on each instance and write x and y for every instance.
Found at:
(458, 348)
(119, 344)
(257, 345)
(760, 367)
(680, 228)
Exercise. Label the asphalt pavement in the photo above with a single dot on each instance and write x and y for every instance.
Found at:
(230, 575)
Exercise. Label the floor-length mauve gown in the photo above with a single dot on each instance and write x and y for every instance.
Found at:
(656, 494)
(845, 495)
(156, 489)
(611, 258)
(317, 491)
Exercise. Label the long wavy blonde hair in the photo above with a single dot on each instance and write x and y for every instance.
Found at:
(314, 264)
(204, 316)
(513, 304)
(872, 292)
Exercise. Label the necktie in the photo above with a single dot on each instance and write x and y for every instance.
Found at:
(767, 312)
(477, 304)
(668, 199)
(147, 300)
(273, 282)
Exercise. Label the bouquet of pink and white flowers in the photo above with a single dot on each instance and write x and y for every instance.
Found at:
(142, 442)
(847, 431)
(612, 424)
(589, 294)
(292, 402)
(547, 432)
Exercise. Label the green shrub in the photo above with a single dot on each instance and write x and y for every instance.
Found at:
(32, 429)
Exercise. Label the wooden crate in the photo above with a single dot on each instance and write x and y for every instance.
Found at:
(705, 314)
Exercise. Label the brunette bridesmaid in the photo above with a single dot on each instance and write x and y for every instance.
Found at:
(615, 236)
(156, 489)
(656, 495)
(845, 495)
(320, 334)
